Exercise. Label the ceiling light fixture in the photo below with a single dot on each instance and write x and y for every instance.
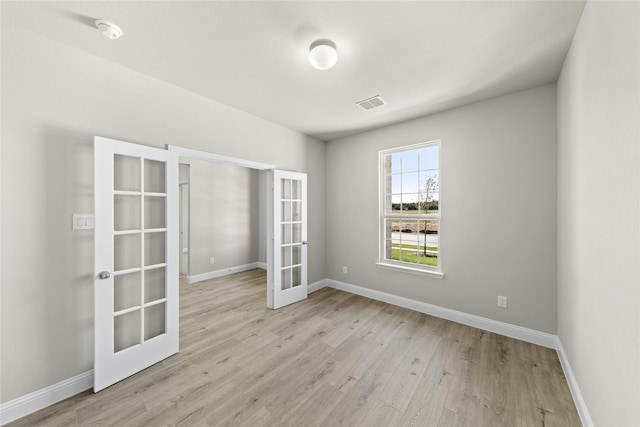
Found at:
(323, 54)
(109, 29)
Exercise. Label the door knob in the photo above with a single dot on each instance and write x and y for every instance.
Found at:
(104, 275)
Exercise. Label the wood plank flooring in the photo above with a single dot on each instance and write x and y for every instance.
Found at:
(336, 359)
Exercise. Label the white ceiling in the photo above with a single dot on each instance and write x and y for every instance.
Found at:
(421, 57)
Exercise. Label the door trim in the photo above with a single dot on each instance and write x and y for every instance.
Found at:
(218, 158)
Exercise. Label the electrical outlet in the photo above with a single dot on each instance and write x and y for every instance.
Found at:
(502, 301)
(345, 270)
(212, 260)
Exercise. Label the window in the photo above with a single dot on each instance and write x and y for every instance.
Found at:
(410, 209)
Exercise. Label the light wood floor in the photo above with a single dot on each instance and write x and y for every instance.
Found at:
(335, 359)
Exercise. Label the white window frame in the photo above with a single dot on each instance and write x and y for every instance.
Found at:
(407, 267)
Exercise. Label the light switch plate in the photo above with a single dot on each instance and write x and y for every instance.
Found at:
(83, 221)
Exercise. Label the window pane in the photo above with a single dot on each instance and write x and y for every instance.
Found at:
(410, 182)
(409, 161)
(388, 249)
(429, 158)
(410, 203)
(396, 184)
(388, 227)
(396, 165)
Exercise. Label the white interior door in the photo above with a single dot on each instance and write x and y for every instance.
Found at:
(136, 258)
(289, 252)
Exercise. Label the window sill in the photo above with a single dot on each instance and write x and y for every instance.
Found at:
(410, 270)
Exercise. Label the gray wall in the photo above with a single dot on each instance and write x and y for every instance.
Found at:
(599, 211)
(54, 100)
(498, 228)
(223, 216)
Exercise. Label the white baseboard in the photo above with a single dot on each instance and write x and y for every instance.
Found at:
(573, 386)
(40, 399)
(525, 334)
(262, 265)
(32, 402)
(223, 272)
(316, 286)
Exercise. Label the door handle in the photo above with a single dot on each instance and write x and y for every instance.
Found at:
(304, 242)
(104, 275)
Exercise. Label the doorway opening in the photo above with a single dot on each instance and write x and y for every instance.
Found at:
(224, 215)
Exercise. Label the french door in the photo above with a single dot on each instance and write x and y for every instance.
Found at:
(289, 275)
(136, 258)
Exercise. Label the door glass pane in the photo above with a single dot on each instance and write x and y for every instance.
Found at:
(126, 291)
(286, 256)
(296, 234)
(154, 212)
(296, 214)
(126, 212)
(154, 250)
(296, 189)
(296, 274)
(154, 284)
(286, 278)
(286, 234)
(286, 211)
(126, 330)
(126, 250)
(126, 173)
(286, 189)
(296, 254)
(154, 176)
(154, 321)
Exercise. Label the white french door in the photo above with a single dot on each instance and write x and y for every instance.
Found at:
(136, 258)
(289, 272)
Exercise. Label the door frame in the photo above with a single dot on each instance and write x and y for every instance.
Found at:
(218, 158)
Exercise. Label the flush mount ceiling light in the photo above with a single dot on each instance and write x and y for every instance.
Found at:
(323, 54)
(109, 29)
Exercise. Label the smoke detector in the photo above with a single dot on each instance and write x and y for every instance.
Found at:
(109, 29)
(371, 103)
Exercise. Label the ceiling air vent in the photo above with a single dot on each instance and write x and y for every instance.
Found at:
(371, 103)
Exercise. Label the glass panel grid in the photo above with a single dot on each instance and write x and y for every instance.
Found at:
(126, 330)
(126, 291)
(291, 233)
(139, 297)
(154, 320)
(410, 186)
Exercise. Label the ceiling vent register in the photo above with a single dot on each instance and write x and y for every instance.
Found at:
(371, 103)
